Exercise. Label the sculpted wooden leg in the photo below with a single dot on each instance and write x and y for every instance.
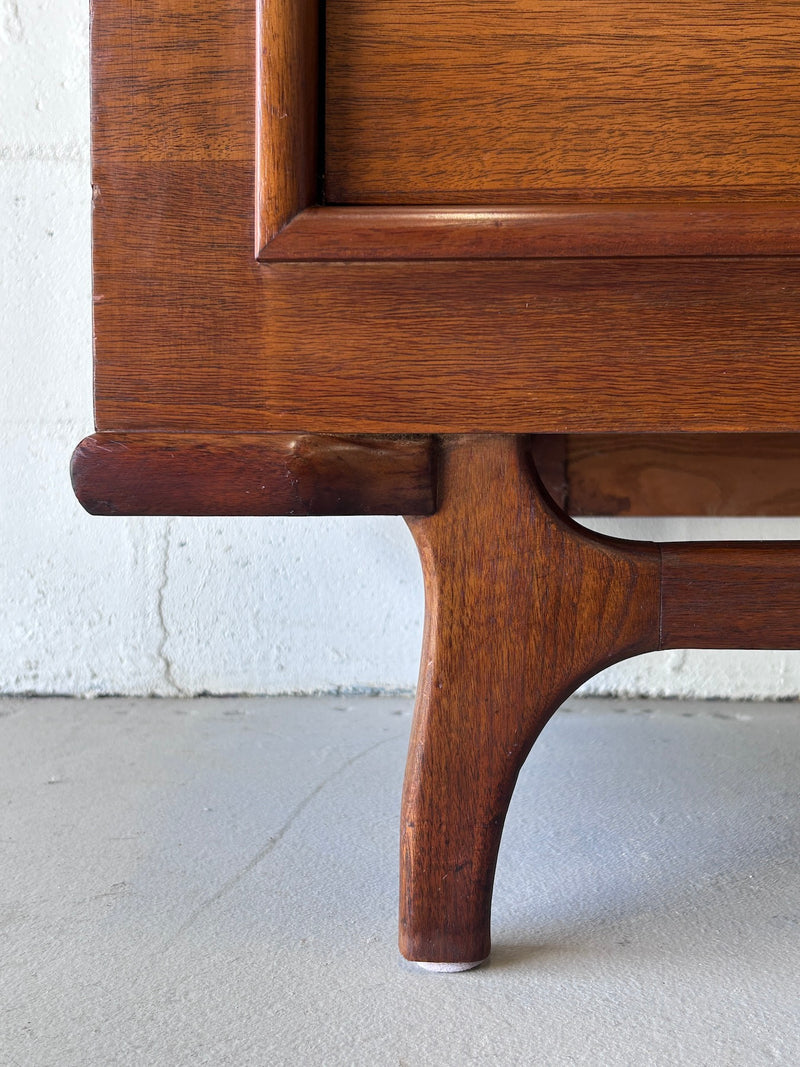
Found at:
(522, 605)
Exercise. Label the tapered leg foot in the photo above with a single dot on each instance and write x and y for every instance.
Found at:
(522, 605)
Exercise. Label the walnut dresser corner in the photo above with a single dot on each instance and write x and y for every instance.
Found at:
(484, 266)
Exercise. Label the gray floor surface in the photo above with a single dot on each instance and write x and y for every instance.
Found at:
(214, 882)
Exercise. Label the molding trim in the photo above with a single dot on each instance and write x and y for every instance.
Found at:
(548, 231)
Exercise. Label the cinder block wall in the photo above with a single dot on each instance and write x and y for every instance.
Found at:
(184, 606)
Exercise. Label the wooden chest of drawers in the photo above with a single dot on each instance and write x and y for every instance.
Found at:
(357, 257)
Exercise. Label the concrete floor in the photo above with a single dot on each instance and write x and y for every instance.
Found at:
(214, 882)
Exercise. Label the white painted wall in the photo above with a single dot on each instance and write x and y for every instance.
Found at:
(162, 606)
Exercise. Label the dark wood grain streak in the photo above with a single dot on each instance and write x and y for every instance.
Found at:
(544, 230)
(549, 456)
(264, 474)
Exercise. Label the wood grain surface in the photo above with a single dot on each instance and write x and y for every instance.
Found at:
(169, 80)
(256, 474)
(326, 474)
(194, 335)
(681, 474)
(511, 101)
(277, 474)
(734, 595)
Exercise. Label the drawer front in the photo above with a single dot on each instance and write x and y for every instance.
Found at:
(530, 101)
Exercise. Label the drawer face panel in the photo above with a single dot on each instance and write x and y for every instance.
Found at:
(530, 101)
